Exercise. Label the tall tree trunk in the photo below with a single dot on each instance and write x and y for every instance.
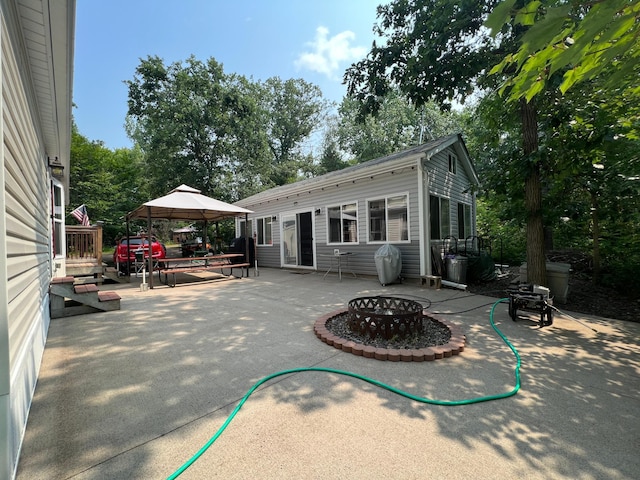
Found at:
(536, 264)
(595, 235)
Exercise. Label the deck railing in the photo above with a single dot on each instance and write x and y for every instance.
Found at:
(84, 244)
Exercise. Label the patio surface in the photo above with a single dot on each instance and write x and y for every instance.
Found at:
(133, 394)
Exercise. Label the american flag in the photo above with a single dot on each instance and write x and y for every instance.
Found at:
(80, 214)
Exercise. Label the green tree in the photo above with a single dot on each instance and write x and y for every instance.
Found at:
(110, 183)
(396, 125)
(291, 111)
(577, 40)
(590, 175)
(596, 163)
(331, 156)
(195, 125)
(570, 43)
(439, 49)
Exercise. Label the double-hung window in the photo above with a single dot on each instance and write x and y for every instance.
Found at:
(453, 163)
(58, 219)
(464, 220)
(264, 231)
(244, 231)
(389, 219)
(343, 223)
(440, 217)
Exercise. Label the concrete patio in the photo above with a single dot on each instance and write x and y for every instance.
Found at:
(134, 393)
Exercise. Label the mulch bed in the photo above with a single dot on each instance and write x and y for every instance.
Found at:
(584, 296)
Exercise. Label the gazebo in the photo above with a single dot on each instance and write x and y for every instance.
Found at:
(186, 203)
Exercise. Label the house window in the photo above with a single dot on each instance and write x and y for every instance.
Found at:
(440, 217)
(389, 219)
(464, 220)
(58, 220)
(243, 229)
(343, 223)
(264, 231)
(453, 160)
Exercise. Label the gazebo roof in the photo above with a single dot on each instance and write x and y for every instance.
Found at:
(187, 203)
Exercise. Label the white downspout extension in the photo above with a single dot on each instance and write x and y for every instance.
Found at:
(425, 215)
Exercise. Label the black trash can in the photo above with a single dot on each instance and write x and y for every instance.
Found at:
(239, 245)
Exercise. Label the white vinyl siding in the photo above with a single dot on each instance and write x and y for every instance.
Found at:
(27, 206)
(26, 241)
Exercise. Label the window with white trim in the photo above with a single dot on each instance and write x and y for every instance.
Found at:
(389, 219)
(264, 231)
(453, 160)
(440, 214)
(464, 220)
(243, 229)
(342, 223)
(58, 219)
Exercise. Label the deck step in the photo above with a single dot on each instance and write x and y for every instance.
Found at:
(68, 299)
(113, 275)
(85, 288)
(107, 296)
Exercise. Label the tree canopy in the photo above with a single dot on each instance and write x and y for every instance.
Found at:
(222, 133)
(430, 50)
(575, 40)
(535, 46)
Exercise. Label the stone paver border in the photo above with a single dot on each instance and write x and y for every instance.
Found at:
(454, 347)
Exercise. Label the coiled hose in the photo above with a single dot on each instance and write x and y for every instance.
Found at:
(448, 403)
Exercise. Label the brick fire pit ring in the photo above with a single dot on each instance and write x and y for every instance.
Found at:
(454, 347)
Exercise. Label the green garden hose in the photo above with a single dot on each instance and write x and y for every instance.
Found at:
(449, 403)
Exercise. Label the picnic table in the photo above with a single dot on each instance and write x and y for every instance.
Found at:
(206, 263)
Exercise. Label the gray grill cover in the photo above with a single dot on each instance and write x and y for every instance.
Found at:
(388, 263)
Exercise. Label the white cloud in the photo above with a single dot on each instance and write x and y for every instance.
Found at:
(329, 55)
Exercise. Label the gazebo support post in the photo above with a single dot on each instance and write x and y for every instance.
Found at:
(247, 239)
(150, 259)
(204, 237)
(128, 261)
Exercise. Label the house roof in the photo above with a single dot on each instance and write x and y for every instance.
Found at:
(47, 30)
(396, 160)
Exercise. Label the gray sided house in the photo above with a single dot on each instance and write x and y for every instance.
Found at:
(36, 61)
(412, 199)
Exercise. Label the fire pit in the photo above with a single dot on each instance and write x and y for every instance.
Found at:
(387, 317)
(389, 328)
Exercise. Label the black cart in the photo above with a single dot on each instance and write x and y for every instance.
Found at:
(531, 298)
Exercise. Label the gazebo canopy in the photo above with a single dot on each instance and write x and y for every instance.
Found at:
(187, 203)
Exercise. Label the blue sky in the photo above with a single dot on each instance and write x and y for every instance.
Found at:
(311, 39)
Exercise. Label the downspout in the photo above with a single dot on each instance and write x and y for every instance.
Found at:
(425, 215)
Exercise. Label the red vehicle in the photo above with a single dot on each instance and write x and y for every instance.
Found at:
(135, 245)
